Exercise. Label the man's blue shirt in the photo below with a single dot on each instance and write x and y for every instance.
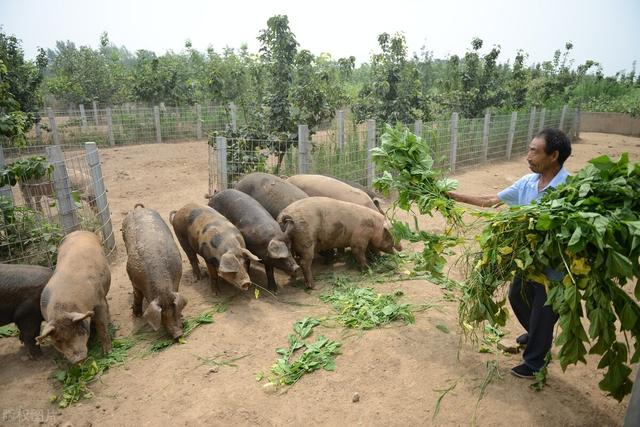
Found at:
(524, 191)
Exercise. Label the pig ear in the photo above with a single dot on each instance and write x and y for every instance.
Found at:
(277, 249)
(179, 301)
(376, 201)
(249, 255)
(153, 315)
(229, 264)
(287, 226)
(76, 317)
(46, 331)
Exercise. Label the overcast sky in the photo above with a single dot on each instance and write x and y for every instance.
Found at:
(605, 31)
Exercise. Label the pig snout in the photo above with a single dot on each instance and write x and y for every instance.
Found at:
(245, 285)
(76, 356)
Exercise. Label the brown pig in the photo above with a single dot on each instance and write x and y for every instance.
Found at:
(76, 297)
(319, 223)
(154, 267)
(203, 231)
(326, 186)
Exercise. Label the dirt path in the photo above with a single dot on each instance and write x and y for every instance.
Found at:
(395, 370)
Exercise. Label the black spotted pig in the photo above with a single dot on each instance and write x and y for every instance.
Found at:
(75, 297)
(319, 223)
(272, 192)
(154, 267)
(20, 289)
(261, 232)
(203, 231)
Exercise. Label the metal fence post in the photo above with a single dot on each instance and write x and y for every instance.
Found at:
(6, 190)
(100, 192)
(371, 143)
(95, 113)
(485, 136)
(112, 140)
(532, 119)
(577, 121)
(340, 129)
(303, 149)
(454, 141)
(83, 118)
(54, 128)
(417, 128)
(66, 206)
(198, 121)
(221, 146)
(234, 116)
(541, 124)
(156, 119)
(562, 117)
(512, 131)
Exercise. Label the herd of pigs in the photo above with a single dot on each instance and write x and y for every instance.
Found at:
(281, 223)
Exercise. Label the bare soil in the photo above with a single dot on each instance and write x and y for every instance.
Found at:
(396, 371)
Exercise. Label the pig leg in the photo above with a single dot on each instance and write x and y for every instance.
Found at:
(358, 252)
(29, 330)
(101, 323)
(305, 263)
(213, 277)
(137, 302)
(271, 280)
(191, 255)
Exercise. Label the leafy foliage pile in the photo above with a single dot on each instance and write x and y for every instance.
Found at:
(34, 167)
(316, 355)
(8, 331)
(408, 169)
(589, 230)
(363, 308)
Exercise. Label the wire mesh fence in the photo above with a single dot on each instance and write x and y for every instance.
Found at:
(39, 211)
(341, 149)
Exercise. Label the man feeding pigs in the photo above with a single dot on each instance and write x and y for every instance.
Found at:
(547, 152)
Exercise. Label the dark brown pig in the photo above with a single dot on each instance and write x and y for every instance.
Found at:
(272, 192)
(20, 289)
(261, 232)
(203, 231)
(154, 267)
(319, 223)
(325, 186)
(75, 297)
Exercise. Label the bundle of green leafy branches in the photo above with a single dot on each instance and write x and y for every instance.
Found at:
(34, 167)
(409, 169)
(589, 230)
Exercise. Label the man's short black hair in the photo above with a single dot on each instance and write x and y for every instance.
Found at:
(555, 140)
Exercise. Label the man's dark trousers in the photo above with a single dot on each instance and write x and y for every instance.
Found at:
(527, 300)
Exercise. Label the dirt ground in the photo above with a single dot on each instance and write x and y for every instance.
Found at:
(397, 371)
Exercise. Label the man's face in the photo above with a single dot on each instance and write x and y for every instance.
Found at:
(539, 161)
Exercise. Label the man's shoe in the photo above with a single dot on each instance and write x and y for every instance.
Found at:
(523, 339)
(523, 371)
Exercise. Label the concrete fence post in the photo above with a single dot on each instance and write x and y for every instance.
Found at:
(102, 204)
(198, 121)
(485, 136)
(562, 117)
(371, 143)
(112, 140)
(541, 124)
(156, 119)
(417, 128)
(454, 141)
(303, 149)
(95, 113)
(65, 204)
(83, 118)
(6, 190)
(52, 125)
(577, 124)
(512, 131)
(38, 132)
(234, 116)
(532, 120)
(221, 148)
(340, 129)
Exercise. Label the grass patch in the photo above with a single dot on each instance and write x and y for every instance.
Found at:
(363, 308)
(9, 331)
(76, 378)
(492, 374)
